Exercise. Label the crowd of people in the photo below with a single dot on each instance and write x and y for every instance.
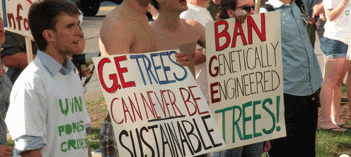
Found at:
(35, 97)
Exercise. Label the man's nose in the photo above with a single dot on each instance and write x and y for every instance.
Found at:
(80, 32)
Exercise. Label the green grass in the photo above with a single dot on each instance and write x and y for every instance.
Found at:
(331, 143)
(97, 101)
(93, 139)
(343, 88)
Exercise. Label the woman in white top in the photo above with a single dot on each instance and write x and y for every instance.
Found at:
(334, 45)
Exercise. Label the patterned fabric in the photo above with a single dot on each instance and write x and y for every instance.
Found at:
(301, 71)
(5, 90)
(108, 145)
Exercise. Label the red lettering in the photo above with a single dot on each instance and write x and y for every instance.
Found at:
(112, 77)
(146, 105)
(19, 17)
(196, 99)
(134, 109)
(251, 24)
(216, 68)
(26, 24)
(164, 103)
(112, 114)
(11, 17)
(30, 2)
(152, 103)
(186, 101)
(126, 111)
(121, 71)
(12, 20)
(213, 92)
(224, 33)
(174, 105)
(236, 33)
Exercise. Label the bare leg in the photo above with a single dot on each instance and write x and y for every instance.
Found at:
(337, 117)
(334, 73)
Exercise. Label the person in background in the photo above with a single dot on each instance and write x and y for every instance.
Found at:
(172, 32)
(14, 54)
(5, 89)
(334, 45)
(302, 80)
(197, 12)
(39, 113)
(213, 7)
(240, 9)
(126, 30)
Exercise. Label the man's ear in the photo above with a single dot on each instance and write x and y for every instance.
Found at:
(48, 35)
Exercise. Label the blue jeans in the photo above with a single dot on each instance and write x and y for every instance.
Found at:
(333, 48)
(253, 150)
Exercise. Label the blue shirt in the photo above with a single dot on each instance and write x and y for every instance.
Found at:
(53, 67)
(301, 71)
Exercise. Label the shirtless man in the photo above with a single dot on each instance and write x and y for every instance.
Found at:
(126, 30)
(171, 31)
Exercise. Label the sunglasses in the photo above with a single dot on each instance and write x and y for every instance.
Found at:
(247, 8)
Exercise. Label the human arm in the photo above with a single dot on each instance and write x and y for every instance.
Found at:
(89, 150)
(200, 56)
(14, 53)
(31, 153)
(333, 13)
(26, 106)
(1, 70)
(318, 9)
(5, 150)
(17, 60)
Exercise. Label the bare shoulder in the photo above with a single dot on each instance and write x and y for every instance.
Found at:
(116, 35)
(194, 25)
(115, 21)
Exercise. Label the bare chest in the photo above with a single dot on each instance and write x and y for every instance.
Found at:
(144, 40)
(167, 40)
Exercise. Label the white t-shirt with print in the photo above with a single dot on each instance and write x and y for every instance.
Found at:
(49, 107)
(203, 16)
(339, 28)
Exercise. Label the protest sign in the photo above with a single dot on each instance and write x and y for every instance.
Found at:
(17, 16)
(155, 106)
(245, 78)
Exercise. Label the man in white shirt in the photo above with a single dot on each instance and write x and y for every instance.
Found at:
(47, 114)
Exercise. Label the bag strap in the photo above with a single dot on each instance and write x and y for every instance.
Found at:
(300, 4)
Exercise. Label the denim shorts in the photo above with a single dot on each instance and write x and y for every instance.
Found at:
(333, 48)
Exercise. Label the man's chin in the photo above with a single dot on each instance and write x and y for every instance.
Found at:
(76, 51)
